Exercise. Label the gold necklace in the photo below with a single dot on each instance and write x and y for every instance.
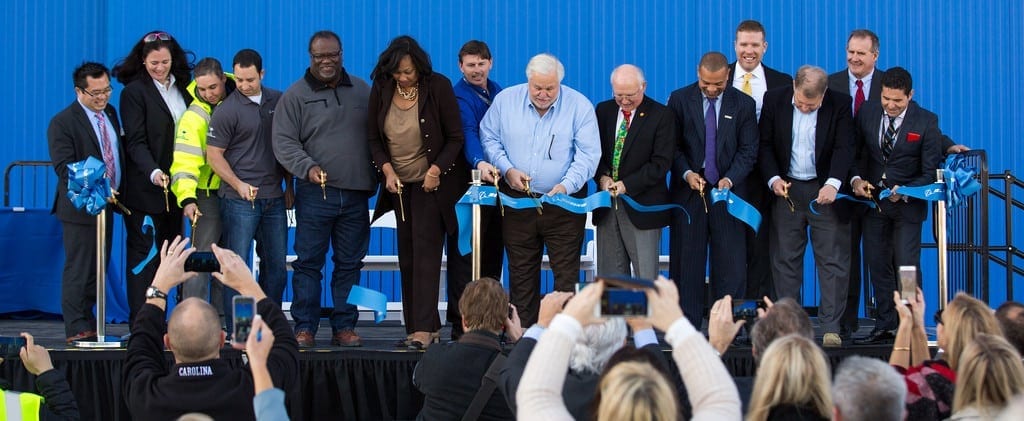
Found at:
(410, 95)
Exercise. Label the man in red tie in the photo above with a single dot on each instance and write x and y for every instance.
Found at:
(87, 127)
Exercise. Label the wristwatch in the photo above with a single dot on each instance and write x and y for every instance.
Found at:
(153, 292)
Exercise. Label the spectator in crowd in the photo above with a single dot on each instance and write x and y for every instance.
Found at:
(460, 379)
(630, 390)
(1011, 320)
(320, 136)
(193, 181)
(155, 75)
(718, 140)
(867, 389)
(588, 359)
(239, 150)
(54, 401)
(543, 137)
(792, 382)
(199, 381)
(87, 127)
(475, 92)
(416, 140)
(268, 404)
(990, 374)
(930, 383)
(638, 136)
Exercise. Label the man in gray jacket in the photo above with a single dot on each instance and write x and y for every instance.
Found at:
(320, 136)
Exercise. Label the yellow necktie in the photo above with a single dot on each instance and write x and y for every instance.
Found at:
(746, 84)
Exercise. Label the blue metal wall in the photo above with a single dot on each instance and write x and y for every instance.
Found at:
(962, 54)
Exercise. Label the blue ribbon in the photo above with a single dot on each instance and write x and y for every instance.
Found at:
(370, 299)
(840, 196)
(147, 226)
(737, 207)
(958, 183)
(486, 195)
(88, 189)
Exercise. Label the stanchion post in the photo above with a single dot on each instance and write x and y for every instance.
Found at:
(476, 182)
(101, 290)
(940, 219)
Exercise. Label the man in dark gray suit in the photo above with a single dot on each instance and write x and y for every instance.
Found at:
(87, 127)
(900, 145)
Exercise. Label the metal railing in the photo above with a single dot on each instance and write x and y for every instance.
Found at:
(36, 189)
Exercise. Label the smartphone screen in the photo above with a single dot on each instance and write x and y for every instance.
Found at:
(202, 261)
(10, 346)
(746, 309)
(908, 283)
(623, 302)
(243, 309)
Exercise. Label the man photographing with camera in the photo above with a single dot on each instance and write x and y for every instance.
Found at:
(199, 381)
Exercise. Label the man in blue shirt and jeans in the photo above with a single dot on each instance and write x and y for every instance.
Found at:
(542, 136)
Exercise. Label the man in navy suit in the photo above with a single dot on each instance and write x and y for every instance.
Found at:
(637, 146)
(717, 119)
(900, 145)
(806, 151)
(87, 127)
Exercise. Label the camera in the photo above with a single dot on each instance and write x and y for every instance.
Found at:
(243, 309)
(624, 297)
(202, 261)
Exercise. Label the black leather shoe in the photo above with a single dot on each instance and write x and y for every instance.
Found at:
(847, 332)
(877, 337)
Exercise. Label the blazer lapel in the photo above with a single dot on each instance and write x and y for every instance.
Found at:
(87, 124)
(696, 104)
(635, 125)
(155, 95)
(821, 128)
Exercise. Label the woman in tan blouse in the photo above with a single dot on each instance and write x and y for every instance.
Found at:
(416, 141)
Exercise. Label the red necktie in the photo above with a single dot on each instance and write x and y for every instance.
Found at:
(108, 150)
(858, 99)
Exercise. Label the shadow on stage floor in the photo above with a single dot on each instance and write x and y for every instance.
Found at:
(373, 382)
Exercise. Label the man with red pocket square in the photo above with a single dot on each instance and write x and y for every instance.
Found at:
(900, 144)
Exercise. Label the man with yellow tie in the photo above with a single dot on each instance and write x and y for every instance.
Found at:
(753, 78)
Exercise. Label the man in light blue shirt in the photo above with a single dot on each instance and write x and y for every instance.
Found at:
(543, 139)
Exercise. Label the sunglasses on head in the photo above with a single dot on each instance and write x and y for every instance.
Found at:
(156, 36)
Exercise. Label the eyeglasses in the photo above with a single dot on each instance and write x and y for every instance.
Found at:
(628, 96)
(101, 92)
(938, 317)
(155, 36)
(326, 56)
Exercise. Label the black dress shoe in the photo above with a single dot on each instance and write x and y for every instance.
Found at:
(877, 337)
(846, 332)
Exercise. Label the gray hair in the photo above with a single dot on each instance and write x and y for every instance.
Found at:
(811, 81)
(868, 389)
(596, 346)
(625, 70)
(545, 64)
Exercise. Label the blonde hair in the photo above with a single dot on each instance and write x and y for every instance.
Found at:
(636, 391)
(990, 375)
(793, 371)
(963, 319)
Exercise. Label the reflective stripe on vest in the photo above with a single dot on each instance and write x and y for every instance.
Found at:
(17, 406)
(200, 111)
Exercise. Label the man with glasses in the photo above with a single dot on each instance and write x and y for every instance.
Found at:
(806, 151)
(637, 146)
(87, 127)
(320, 136)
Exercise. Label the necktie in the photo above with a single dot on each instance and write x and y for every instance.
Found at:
(620, 139)
(858, 99)
(889, 140)
(108, 150)
(746, 84)
(711, 143)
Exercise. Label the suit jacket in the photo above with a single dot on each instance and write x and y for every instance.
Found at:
(774, 78)
(646, 156)
(149, 138)
(840, 82)
(911, 163)
(71, 138)
(833, 141)
(441, 131)
(736, 141)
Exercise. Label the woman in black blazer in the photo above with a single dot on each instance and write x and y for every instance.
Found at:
(416, 139)
(155, 74)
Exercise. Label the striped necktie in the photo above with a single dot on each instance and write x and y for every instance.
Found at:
(889, 140)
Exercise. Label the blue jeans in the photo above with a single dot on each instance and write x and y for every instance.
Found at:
(343, 221)
(242, 222)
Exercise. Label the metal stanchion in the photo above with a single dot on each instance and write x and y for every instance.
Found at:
(941, 242)
(102, 340)
(476, 182)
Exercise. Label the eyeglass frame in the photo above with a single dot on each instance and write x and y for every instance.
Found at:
(106, 91)
(325, 56)
(627, 96)
(156, 36)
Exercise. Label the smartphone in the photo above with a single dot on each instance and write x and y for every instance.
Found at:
(243, 309)
(10, 346)
(624, 297)
(747, 310)
(202, 261)
(908, 283)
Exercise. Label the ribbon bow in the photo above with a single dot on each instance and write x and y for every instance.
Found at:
(88, 189)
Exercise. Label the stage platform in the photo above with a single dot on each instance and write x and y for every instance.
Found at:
(373, 382)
